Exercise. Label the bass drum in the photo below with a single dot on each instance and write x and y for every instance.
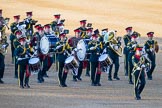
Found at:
(47, 44)
(82, 49)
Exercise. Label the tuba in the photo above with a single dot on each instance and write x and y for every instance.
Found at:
(113, 43)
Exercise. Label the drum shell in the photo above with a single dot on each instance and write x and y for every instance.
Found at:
(35, 68)
(72, 64)
(106, 62)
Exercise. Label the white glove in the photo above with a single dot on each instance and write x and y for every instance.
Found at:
(75, 49)
(36, 47)
(116, 47)
(143, 66)
(72, 53)
(35, 53)
(3, 46)
(26, 56)
(138, 68)
(19, 59)
(92, 48)
(151, 49)
(58, 46)
(134, 45)
(104, 51)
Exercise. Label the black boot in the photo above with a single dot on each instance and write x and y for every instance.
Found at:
(26, 82)
(74, 78)
(98, 80)
(1, 82)
(21, 85)
(64, 80)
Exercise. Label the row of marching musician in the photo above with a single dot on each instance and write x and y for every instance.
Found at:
(35, 52)
(139, 60)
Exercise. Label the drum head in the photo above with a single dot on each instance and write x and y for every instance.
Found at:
(33, 60)
(69, 59)
(44, 45)
(102, 57)
(82, 50)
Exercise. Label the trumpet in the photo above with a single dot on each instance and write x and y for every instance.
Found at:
(139, 64)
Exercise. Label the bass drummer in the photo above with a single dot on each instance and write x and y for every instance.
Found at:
(49, 58)
(73, 43)
(62, 49)
(40, 55)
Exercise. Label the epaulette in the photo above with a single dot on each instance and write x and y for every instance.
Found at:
(124, 36)
(12, 24)
(90, 43)
(132, 57)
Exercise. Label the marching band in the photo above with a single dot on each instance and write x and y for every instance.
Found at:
(35, 48)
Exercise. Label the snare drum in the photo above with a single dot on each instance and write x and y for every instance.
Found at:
(105, 60)
(47, 44)
(34, 65)
(71, 63)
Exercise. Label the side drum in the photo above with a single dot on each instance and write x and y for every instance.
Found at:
(72, 63)
(34, 65)
(105, 60)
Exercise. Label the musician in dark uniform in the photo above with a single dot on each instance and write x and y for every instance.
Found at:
(55, 22)
(151, 47)
(29, 24)
(73, 43)
(14, 27)
(3, 24)
(22, 53)
(83, 28)
(127, 39)
(61, 47)
(88, 36)
(139, 65)
(3, 48)
(114, 56)
(94, 47)
(131, 48)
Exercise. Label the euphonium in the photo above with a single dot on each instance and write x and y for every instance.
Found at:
(113, 43)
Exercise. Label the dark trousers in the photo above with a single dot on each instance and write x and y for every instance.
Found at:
(126, 63)
(21, 73)
(45, 66)
(2, 65)
(130, 66)
(16, 68)
(40, 73)
(62, 75)
(95, 74)
(12, 50)
(116, 63)
(153, 65)
(88, 68)
(80, 69)
(139, 82)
